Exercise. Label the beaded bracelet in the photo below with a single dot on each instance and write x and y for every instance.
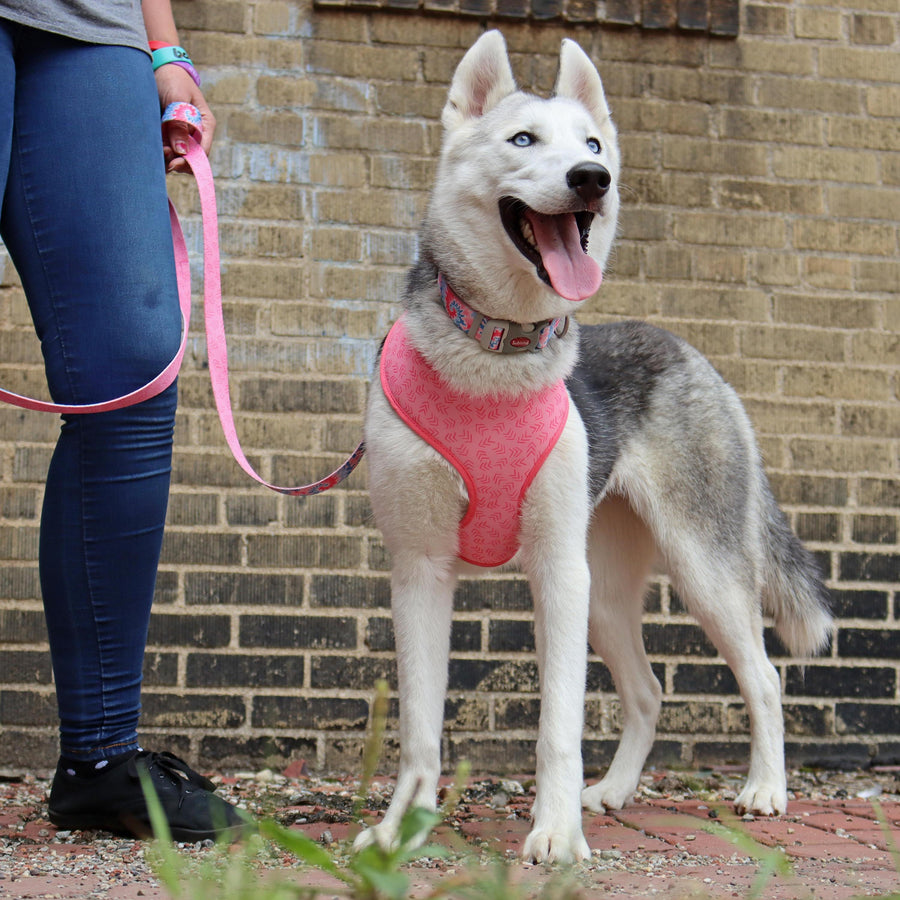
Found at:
(168, 53)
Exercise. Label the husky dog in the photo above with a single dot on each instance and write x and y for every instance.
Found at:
(653, 458)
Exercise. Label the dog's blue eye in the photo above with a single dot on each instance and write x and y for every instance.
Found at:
(593, 145)
(522, 139)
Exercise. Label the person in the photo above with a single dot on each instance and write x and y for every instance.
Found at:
(85, 222)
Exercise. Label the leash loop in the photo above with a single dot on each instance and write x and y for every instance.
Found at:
(217, 349)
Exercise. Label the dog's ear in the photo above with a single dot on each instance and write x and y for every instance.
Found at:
(482, 79)
(579, 80)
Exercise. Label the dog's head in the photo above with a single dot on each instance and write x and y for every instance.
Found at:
(524, 210)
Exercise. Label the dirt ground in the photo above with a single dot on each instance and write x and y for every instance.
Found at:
(678, 839)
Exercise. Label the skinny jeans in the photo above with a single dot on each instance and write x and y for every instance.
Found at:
(84, 219)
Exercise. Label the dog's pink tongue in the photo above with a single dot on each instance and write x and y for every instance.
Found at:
(573, 274)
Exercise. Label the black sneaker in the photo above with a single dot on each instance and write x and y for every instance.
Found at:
(114, 800)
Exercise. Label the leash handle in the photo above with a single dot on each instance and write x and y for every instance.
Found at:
(216, 344)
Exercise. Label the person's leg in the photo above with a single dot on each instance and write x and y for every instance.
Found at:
(85, 221)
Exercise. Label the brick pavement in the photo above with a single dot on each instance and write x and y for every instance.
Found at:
(673, 848)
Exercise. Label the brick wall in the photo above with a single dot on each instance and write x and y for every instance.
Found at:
(761, 188)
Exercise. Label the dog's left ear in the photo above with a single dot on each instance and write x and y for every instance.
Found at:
(482, 79)
(579, 80)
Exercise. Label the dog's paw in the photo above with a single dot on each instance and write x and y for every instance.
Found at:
(384, 837)
(544, 846)
(605, 795)
(761, 800)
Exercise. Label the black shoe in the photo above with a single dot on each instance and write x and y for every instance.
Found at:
(114, 800)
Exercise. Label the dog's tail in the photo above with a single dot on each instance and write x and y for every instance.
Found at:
(794, 592)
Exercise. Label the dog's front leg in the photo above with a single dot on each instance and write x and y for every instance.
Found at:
(554, 556)
(418, 500)
(422, 605)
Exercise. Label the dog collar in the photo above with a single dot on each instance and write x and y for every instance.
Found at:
(499, 335)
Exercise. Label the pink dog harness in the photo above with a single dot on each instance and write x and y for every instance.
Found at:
(496, 445)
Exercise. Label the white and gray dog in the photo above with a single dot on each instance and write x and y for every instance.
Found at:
(499, 428)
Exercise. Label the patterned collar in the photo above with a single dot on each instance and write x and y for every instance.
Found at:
(499, 335)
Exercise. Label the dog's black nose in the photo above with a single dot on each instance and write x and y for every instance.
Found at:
(589, 180)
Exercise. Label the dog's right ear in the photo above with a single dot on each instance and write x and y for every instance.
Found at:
(482, 79)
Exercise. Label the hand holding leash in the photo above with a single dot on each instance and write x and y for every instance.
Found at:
(175, 84)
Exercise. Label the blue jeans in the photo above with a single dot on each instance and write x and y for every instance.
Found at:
(85, 222)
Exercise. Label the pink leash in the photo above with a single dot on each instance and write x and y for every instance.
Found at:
(217, 349)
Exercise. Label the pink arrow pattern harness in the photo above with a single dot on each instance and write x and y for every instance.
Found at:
(496, 444)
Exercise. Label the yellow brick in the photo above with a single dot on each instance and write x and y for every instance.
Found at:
(810, 93)
(621, 299)
(730, 230)
(362, 61)
(812, 344)
(763, 125)
(871, 421)
(828, 165)
(766, 19)
(642, 114)
(877, 134)
(709, 303)
(872, 29)
(285, 90)
(814, 309)
(863, 65)
(713, 264)
(771, 196)
(845, 237)
(749, 378)
(863, 203)
(818, 24)
(883, 101)
(875, 347)
(828, 272)
(714, 339)
(274, 18)
(336, 244)
(838, 383)
(842, 455)
(877, 276)
(775, 268)
(696, 155)
(791, 417)
(347, 170)
(764, 56)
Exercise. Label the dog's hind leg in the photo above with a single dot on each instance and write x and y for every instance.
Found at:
(729, 611)
(621, 551)
(422, 605)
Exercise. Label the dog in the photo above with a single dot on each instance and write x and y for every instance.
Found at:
(643, 453)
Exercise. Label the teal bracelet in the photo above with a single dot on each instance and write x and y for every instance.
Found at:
(177, 56)
(170, 55)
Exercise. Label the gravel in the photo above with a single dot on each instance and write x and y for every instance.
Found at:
(104, 865)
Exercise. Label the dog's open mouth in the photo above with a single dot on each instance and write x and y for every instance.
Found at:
(556, 245)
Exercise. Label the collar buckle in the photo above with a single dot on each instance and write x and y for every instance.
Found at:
(499, 335)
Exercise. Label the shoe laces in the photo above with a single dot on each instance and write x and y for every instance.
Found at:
(177, 771)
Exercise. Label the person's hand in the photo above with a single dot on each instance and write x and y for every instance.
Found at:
(175, 85)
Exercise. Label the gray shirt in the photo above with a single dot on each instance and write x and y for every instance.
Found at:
(94, 21)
